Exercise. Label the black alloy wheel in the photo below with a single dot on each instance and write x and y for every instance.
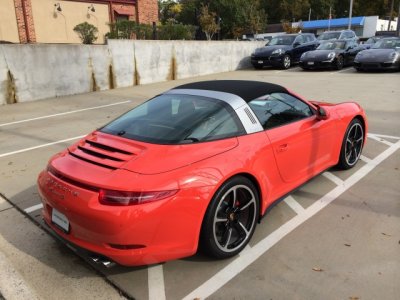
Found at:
(231, 218)
(286, 62)
(339, 62)
(352, 145)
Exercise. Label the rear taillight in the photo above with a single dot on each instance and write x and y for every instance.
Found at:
(122, 198)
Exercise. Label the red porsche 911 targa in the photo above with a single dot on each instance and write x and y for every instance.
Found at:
(196, 166)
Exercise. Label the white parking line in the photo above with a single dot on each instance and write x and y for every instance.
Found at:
(293, 204)
(342, 71)
(156, 282)
(242, 261)
(41, 146)
(63, 114)
(333, 178)
(365, 159)
(379, 139)
(384, 136)
(33, 208)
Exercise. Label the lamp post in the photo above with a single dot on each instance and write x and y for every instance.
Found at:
(350, 13)
(398, 21)
(391, 14)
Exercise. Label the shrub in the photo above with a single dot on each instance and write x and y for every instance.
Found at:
(86, 32)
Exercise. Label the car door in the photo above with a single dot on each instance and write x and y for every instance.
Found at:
(302, 144)
(351, 51)
(298, 48)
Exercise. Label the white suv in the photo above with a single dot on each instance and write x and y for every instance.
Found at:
(338, 35)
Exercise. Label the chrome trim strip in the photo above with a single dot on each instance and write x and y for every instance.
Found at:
(237, 103)
(233, 100)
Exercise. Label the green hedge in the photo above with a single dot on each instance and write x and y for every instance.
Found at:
(132, 30)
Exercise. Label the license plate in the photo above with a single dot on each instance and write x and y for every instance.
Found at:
(260, 61)
(60, 220)
(310, 62)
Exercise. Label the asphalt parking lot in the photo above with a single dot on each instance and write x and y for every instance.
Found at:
(337, 237)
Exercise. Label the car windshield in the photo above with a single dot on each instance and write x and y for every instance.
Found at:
(332, 45)
(282, 40)
(329, 36)
(371, 41)
(177, 119)
(387, 44)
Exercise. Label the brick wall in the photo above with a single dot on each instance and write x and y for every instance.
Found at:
(147, 11)
(26, 28)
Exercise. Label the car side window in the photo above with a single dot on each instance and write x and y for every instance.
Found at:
(308, 38)
(299, 39)
(278, 109)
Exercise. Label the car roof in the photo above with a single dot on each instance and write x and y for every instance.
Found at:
(245, 89)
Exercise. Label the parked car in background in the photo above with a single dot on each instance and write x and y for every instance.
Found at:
(330, 54)
(338, 35)
(283, 50)
(370, 42)
(383, 55)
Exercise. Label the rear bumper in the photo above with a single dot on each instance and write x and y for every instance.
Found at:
(128, 235)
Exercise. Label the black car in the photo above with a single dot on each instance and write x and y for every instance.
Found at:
(370, 42)
(283, 50)
(383, 55)
(330, 54)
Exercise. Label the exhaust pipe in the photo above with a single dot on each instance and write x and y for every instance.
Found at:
(102, 261)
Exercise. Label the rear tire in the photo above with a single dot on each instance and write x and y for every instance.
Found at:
(230, 219)
(352, 145)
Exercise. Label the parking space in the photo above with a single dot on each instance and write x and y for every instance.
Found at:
(333, 238)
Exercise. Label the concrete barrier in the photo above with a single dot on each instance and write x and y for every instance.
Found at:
(100, 61)
(3, 80)
(44, 71)
(32, 72)
(122, 72)
(154, 61)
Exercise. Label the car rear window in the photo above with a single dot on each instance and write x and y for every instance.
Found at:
(177, 119)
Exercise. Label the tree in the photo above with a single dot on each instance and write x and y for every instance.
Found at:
(168, 11)
(86, 32)
(208, 22)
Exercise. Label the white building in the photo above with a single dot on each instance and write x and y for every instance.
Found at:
(363, 26)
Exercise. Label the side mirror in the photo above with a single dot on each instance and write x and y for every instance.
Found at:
(322, 114)
(296, 44)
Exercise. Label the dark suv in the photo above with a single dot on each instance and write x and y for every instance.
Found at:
(283, 50)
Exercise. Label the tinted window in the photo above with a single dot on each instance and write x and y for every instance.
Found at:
(309, 38)
(177, 119)
(278, 109)
(387, 44)
(329, 35)
(300, 39)
(331, 45)
(282, 40)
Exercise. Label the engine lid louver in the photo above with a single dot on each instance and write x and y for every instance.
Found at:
(110, 152)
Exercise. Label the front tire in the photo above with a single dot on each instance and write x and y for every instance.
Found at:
(286, 62)
(231, 218)
(352, 145)
(339, 63)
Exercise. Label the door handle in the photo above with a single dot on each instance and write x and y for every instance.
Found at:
(282, 148)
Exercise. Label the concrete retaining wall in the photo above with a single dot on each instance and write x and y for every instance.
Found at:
(3, 80)
(32, 72)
